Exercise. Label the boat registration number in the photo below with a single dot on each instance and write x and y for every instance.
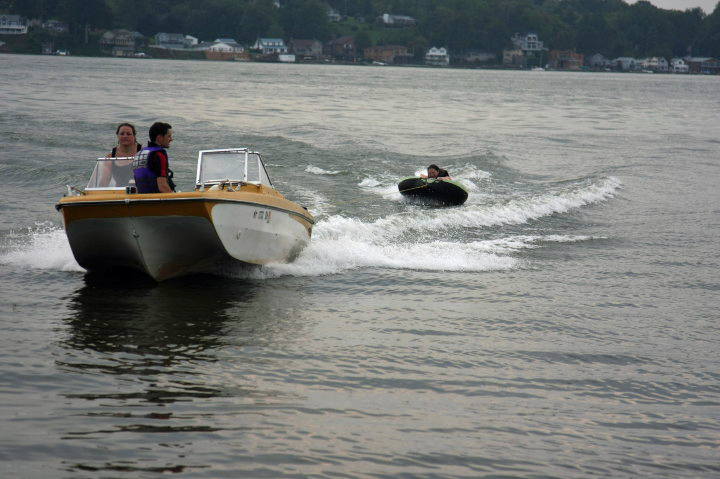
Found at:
(262, 215)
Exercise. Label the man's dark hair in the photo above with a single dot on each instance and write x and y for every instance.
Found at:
(159, 128)
(434, 167)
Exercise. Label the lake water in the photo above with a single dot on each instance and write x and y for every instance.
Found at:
(563, 323)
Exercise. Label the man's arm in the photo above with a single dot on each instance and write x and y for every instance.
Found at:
(163, 185)
(162, 181)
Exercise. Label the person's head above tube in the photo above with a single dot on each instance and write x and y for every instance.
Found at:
(433, 171)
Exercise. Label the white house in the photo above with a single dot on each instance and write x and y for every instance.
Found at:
(226, 45)
(333, 15)
(437, 57)
(12, 25)
(269, 46)
(598, 61)
(627, 64)
(170, 40)
(528, 43)
(678, 65)
(390, 20)
(655, 64)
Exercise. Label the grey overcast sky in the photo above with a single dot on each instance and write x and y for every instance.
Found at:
(708, 6)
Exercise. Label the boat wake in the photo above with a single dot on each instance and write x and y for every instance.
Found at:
(401, 240)
(409, 240)
(315, 170)
(44, 246)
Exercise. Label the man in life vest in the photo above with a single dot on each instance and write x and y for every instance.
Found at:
(151, 167)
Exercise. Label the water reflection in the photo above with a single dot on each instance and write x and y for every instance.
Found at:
(176, 321)
(170, 366)
(180, 333)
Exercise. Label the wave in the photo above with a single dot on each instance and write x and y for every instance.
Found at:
(409, 241)
(516, 210)
(316, 170)
(44, 246)
(404, 240)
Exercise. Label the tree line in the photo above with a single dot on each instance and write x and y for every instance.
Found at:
(610, 27)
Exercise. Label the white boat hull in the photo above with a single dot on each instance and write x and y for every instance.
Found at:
(234, 216)
(193, 235)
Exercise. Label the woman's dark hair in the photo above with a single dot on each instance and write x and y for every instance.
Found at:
(132, 127)
(159, 128)
(434, 167)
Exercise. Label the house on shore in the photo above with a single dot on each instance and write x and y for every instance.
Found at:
(342, 49)
(514, 57)
(224, 49)
(390, 54)
(306, 49)
(678, 65)
(12, 25)
(170, 40)
(527, 50)
(270, 46)
(565, 60)
(599, 62)
(703, 65)
(626, 64)
(655, 64)
(437, 57)
(121, 43)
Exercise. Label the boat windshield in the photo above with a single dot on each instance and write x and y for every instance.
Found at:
(111, 174)
(237, 165)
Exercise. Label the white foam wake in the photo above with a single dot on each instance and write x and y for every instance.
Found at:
(315, 170)
(410, 240)
(404, 240)
(44, 246)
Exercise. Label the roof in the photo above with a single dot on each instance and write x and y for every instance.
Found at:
(304, 42)
(341, 41)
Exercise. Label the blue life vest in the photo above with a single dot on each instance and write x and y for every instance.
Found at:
(145, 178)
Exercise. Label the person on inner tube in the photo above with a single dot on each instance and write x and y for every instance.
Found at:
(434, 171)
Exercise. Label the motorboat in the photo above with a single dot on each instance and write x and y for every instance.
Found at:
(234, 215)
(431, 191)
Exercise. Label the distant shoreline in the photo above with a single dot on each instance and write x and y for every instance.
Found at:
(367, 64)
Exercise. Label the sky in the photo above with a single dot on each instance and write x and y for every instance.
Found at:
(708, 6)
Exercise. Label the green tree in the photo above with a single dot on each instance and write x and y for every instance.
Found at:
(129, 14)
(362, 41)
(84, 15)
(259, 19)
(42, 9)
(305, 19)
(709, 38)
